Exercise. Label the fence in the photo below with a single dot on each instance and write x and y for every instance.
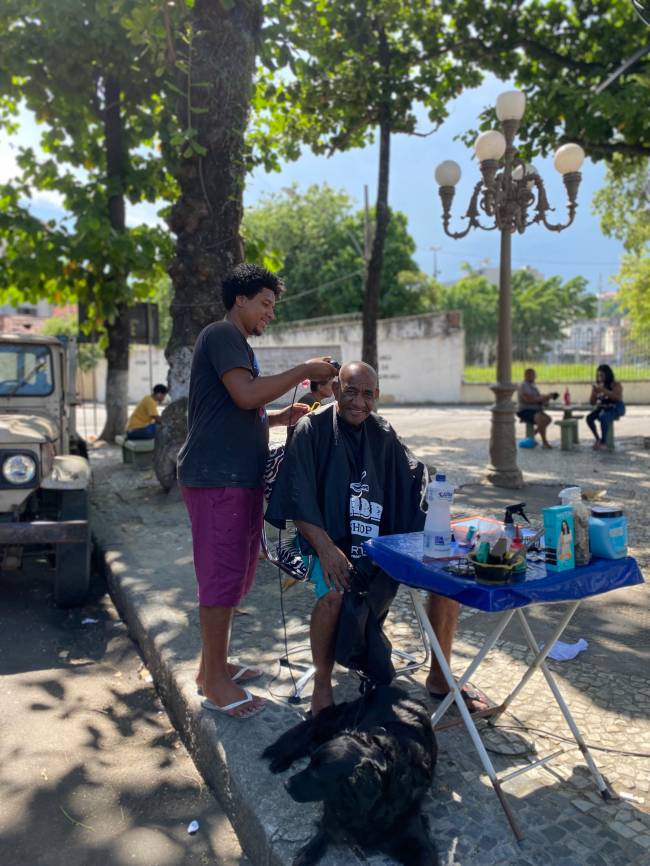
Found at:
(568, 360)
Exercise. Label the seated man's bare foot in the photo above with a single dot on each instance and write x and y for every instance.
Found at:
(475, 700)
(322, 697)
(227, 693)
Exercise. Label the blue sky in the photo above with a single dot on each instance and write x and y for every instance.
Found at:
(580, 250)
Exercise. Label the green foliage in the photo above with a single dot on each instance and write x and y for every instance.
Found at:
(623, 205)
(560, 373)
(319, 242)
(88, 354)
(633, 281)
(541, 308)
(558, 51)
(339, 90)
(55, 61)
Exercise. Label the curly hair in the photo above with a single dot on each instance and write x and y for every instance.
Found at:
(249, 280)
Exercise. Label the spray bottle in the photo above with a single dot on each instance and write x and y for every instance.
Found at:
(511, 528)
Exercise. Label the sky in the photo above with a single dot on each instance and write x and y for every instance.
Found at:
(579, 250)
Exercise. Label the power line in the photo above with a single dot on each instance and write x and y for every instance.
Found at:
(322, 286)
(528, 261)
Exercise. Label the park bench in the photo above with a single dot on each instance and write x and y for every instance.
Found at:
(138, 452)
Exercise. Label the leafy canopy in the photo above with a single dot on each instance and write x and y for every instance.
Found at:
(541, 309)
(623, 205)
(559, 51)
(318, 240)
(337, 89)
(58, 61)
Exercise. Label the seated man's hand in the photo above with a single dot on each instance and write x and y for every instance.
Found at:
(336, 567)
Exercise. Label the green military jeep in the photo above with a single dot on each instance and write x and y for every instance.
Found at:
(44, 469)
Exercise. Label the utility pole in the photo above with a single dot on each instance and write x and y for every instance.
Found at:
(435, 251)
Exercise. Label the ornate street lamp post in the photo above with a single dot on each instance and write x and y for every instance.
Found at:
(512, 195)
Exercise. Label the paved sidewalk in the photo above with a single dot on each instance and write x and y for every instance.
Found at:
(145, 537)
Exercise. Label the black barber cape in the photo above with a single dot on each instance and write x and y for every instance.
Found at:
(355, 483)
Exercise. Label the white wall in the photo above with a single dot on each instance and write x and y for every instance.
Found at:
(420, 357)
(139, 381)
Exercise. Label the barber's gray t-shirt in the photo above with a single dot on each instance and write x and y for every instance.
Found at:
(226, 446)
(532, 391)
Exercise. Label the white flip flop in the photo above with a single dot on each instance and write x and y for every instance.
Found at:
(214, 708)
(242, 670)
(240, 673)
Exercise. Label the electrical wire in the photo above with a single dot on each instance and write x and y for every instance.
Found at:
(282, 612)
(522, 726)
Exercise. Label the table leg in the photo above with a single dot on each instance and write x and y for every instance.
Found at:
(604, 789)
(540, 655)
(456, 696)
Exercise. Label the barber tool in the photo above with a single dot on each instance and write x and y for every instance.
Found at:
(335, 364)
(511, 528)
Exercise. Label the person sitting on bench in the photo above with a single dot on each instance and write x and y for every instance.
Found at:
(531, 405)
(346, 477)
(144, 418)
(607, 396)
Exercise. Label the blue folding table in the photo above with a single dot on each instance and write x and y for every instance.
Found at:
(401, 556)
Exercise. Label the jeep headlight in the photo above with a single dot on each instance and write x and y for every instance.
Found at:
(19, 469)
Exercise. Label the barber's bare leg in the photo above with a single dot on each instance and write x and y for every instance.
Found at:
(322, 634)
(215, 672)
(443, 616)
(542, 420)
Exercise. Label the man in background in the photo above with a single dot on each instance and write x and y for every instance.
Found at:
(319, 392)
(532, 403)
(144, 418)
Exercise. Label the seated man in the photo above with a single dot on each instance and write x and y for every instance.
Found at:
(531, 405)
(144, 418)
(347, 477)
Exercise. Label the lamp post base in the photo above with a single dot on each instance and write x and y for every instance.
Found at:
(503, 470)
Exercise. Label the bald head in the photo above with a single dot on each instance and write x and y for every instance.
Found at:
(355, 368)
(356, 392)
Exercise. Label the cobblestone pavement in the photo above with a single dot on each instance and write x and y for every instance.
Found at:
(564, 820)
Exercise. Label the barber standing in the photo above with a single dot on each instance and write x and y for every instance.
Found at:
(220, 469)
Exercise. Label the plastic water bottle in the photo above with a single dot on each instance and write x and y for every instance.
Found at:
(437, 528)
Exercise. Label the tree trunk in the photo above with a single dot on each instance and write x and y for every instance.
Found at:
(117, 375)
(206, 218)
(117, 351)
(382, 216)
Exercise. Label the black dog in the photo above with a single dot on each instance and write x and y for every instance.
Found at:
(372, 762)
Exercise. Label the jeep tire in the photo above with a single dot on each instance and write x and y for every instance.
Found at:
(72, 576)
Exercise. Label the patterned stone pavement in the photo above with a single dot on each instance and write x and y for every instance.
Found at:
(564, 820)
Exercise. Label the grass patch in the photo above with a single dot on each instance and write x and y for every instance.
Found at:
(556, 372)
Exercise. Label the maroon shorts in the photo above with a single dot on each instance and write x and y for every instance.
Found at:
(226, 532)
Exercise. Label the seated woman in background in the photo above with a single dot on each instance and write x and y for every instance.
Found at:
(607, 397)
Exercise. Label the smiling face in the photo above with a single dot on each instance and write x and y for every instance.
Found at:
(356, 392)
(255, 313)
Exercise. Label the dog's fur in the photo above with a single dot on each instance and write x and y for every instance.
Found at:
(372, 762)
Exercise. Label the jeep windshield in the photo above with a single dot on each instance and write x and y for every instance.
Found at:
(25, 371)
